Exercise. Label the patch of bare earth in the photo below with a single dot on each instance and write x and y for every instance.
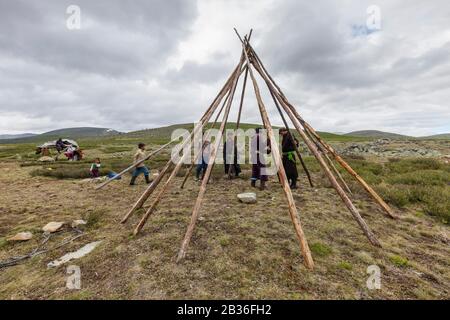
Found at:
(238, 251)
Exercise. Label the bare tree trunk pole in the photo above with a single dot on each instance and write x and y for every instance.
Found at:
(350, 170)
(336, 156)
(197, 156)
(309, 263)
(140, 202)
(353, 210)
(201, 193)
(178, 166)
(205, 118)
(238, 121)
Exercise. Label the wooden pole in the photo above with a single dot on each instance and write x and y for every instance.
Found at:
(309, 263)
(197, 156)
(308, 260)
(238, 122)
(165, 187)
(204, 119)
(201, 193)
(353, 210)
(350, 170)
(336, 156)
(140, 202)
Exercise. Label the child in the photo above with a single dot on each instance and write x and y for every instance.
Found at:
(140, 166)
(95, 168)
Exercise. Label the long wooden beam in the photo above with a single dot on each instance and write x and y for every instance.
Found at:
(202, 191)
(204, 119)
(304, 247)
(335, 155)
(165, 187)
(353, 210)
(199, 153)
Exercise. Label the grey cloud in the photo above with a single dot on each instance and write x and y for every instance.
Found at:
(116, 71)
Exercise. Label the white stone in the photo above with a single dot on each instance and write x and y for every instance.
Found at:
(247, 197)
(52, 226)
(21, 236)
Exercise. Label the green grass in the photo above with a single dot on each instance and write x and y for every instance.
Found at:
(406, 182)
(399, 261)
(320, 249)
(345, 265)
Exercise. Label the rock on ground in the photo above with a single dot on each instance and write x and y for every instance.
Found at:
(21, 236)
(247, 197)
(52, 226)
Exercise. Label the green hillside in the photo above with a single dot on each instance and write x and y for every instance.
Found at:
(377, 134)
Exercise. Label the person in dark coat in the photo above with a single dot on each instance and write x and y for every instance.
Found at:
(230, 156)
(258, 150)
(288, 147)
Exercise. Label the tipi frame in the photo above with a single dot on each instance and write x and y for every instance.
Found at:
(250, 64)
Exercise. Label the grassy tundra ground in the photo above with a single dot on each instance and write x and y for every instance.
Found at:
(238, 250)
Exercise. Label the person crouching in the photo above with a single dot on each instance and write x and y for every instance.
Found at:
(95, 168)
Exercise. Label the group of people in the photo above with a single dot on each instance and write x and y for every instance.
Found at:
(259, 149)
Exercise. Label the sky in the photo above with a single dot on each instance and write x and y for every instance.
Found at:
(131, 65)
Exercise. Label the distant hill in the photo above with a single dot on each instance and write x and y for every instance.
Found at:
(164, 133)
(70, 133)
(16, 136)
(80, 132)
(377, 134)
(438, 136)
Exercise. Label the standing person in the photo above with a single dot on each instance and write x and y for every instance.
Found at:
(288, 146)
(140, 167)
(95, 168)
(259, 148)
(230, 156)
(202, 164)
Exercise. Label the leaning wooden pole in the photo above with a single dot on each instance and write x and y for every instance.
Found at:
(204, 119)
(349, 169)
(238, 122)
(309, 263)
(199, 153)
(140, 202)
(165, 187)
(201, 193)
(335, 155)
(353, 210)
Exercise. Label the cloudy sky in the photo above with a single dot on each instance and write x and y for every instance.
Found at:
(141, 64)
